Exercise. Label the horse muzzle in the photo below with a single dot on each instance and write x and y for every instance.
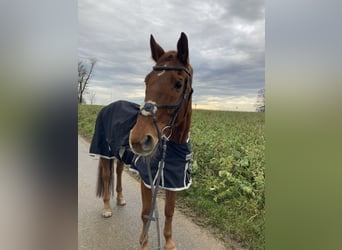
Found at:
(142, 144)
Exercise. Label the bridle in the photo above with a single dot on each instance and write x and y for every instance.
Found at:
(149, 108)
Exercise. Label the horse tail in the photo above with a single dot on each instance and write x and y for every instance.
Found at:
(100, 183)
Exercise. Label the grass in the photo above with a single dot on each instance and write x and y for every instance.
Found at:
(228, 174)
(227, 193)
(86, 120)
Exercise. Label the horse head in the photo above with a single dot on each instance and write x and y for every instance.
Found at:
(167, 105)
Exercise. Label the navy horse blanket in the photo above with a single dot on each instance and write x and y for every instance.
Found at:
(111, 140)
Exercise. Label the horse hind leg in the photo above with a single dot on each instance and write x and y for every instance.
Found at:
(105, 184)
(119, 169)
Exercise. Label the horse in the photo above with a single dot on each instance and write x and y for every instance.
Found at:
(167, 111)
(141, 136)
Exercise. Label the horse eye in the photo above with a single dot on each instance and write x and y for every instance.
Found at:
(178, 85)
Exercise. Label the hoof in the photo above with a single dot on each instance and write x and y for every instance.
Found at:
(170, 246)
(121, 201)
(144, 247)
(106, 213)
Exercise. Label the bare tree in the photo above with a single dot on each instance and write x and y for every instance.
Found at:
(92, 97)
(83, 77)
(260, 104)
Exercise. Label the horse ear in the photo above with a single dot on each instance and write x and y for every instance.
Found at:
(182, 49)
(156, 50)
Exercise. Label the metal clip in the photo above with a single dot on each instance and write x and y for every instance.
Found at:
(167, 137)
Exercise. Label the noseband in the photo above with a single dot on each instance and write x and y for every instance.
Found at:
(149, 108)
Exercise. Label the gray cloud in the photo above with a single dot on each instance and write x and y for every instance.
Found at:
(226, 43)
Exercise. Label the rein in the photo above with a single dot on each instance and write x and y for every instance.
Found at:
(149, 109)
(154, 190)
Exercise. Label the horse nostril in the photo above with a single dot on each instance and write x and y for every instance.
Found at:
(147, 143)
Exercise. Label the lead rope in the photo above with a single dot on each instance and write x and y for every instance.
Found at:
(154, 190)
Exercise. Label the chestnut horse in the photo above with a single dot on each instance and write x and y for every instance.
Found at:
(127, 132)
(167, 112)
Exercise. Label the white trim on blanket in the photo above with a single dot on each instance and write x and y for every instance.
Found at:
(171, 189)
(102, 156)
(162, 177)
(162, 187)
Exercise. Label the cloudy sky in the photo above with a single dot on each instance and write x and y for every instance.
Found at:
(226, 47)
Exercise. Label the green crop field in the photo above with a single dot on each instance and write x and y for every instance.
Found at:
(228, 188)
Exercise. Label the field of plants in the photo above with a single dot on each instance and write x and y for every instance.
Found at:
(228, 190)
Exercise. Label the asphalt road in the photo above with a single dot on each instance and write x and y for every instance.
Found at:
(121, 231)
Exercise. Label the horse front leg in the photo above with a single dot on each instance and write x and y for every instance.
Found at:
(105, 184)
(170, 200)
(146, 198)
(119, 169)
